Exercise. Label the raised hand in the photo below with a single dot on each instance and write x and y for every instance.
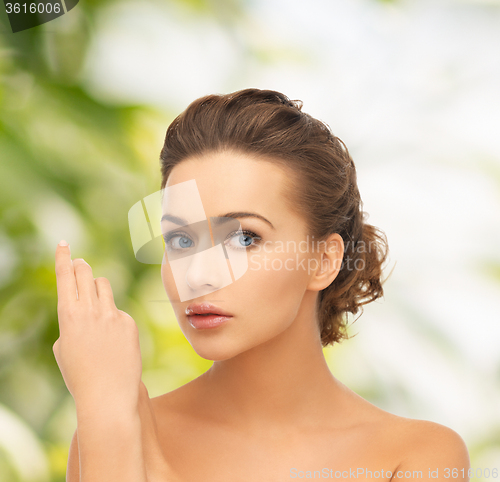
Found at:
(98, 349)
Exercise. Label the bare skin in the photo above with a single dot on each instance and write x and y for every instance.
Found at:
(269, 409)
(269, 403)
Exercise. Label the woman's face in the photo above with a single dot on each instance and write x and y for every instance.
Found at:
(265, 300)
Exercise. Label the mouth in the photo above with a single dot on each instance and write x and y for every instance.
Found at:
(203, 316)
(205, 309)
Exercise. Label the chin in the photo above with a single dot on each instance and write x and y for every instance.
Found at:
(216, 351)
(219, 346)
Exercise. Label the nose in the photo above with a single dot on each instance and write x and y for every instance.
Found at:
(207, 270)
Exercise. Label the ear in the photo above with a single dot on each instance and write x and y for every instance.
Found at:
(329, 261)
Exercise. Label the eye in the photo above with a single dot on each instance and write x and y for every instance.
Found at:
(178, 241)
(242, 239)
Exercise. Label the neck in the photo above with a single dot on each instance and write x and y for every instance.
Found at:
(278, 382)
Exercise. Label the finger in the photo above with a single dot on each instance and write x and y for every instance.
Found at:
(66, 283)
(104, 291)
(84, 281)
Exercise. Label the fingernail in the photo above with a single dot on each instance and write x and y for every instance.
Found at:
(63, 243)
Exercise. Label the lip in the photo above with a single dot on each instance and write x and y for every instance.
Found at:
(206, 322)
(203, 316)
(205, 309)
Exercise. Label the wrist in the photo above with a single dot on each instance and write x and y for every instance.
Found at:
(107, 407)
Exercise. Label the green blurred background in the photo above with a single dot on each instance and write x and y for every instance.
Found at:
(79, 145)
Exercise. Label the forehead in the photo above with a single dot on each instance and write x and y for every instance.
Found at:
(229, 181)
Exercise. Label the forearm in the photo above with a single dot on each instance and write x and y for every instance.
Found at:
(110, 446)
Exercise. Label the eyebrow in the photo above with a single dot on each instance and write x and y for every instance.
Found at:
(217, 221)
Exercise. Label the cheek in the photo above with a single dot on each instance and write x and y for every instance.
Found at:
(275, 284)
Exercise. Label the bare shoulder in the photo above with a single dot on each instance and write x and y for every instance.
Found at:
(424, 435)
(429, 447)
(414, 445)
(178, 399)
(168, 400)
(414, 435)
(171, 405)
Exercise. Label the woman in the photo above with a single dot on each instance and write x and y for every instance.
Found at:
(268, 409)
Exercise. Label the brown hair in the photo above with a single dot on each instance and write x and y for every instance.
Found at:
(268, 125)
